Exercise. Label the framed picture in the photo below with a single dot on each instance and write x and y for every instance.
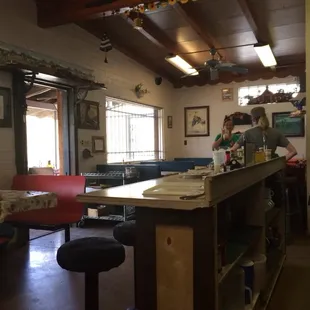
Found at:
(169, 121)
(88, 115)
(227, 94)
(5, 108)
(98, 144)
(289, 126)
(197, 123)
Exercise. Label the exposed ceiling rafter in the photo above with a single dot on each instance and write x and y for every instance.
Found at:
(260, 30)
(157, 36)
(56, 13)
(94, 28)
(187, 12)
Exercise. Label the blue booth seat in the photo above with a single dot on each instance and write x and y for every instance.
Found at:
(198, 161)
(176, 166)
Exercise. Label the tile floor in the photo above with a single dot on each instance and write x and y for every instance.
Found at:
(31, 279)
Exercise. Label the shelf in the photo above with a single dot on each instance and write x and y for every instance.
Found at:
(234, 253)
(119, 218)
(254, 302)
(271, 214)
(274, 278)
(236, 249)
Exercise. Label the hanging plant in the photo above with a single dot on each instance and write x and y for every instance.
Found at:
(140, 91)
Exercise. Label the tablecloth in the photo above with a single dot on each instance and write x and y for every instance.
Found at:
(12, 201)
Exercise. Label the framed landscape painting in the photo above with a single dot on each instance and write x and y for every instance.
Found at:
(197, 122)
(289, 126)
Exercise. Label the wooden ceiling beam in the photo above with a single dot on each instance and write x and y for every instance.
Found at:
(188, 12)
(56, 13)
(157, 36)
(258, 27)
(94, 28)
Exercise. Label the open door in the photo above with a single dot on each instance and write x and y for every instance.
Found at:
(44, 125)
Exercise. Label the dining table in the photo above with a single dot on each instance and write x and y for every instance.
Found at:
(13, 201)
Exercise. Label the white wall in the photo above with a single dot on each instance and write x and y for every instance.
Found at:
(212, 96)
(71, 44)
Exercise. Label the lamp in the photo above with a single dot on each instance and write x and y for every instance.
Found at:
(265, 55)
(181, 64)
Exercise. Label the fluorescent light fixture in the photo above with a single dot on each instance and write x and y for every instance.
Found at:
(265, 55)
(181, 64)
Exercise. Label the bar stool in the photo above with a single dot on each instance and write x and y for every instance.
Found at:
(125, 233)
(91, 256)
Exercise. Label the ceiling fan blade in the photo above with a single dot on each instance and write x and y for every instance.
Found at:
(240, 70)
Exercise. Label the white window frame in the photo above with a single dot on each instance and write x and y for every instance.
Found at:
(158, 130)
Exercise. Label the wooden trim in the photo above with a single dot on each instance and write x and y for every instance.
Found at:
(59, 95)
(19, 114)
(220, 187)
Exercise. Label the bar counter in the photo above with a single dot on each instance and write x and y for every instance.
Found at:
(176, 258)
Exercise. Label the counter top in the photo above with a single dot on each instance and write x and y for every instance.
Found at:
(217, 188)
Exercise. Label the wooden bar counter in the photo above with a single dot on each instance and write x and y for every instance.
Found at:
(176, 251)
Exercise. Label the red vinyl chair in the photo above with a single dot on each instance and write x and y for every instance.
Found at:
(68, 210)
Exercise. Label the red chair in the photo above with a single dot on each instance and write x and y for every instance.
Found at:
(68, 210)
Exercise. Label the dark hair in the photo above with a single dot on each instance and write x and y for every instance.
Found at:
(227, 119)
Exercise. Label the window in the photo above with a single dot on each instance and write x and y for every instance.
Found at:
(246, 94)
(134, 131)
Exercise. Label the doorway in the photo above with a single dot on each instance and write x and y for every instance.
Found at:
(49, 130)
(42, 124)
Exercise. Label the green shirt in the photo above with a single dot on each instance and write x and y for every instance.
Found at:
(226, 144)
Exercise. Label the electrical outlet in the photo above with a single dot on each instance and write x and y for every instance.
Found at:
(185, 142)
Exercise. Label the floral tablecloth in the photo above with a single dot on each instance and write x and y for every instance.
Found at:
(12, 201)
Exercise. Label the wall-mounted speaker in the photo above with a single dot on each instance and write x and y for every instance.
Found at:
(158, 80)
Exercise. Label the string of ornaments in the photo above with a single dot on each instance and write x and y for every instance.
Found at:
(152, 6)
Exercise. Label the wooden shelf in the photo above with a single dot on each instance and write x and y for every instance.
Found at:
(254, 302)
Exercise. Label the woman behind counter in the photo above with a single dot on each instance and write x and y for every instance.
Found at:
(262, 135)
(226, 139)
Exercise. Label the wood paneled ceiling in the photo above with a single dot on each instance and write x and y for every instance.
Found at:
(188, 29)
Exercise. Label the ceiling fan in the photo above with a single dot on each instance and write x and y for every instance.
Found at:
(214, 66)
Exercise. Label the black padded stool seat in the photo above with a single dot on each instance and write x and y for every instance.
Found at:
(125, 233)
(91, 255)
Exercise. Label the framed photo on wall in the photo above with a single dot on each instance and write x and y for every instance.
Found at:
(227, 94)
(289, 126)
(88, 115)
(197, 121)
(98, 144)
(169, 121)
(5, 108)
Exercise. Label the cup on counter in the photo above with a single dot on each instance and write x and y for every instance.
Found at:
(267, 154)
(218, 159)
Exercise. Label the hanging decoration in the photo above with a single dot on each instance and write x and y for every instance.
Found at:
(152, 6)
(140, 91)
(105, 46)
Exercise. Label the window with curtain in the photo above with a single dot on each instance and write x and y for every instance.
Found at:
(134, 131)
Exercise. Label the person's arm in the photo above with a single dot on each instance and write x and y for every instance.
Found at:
(217, 142)
(238, 144)
(284, 142)
(291, 151)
